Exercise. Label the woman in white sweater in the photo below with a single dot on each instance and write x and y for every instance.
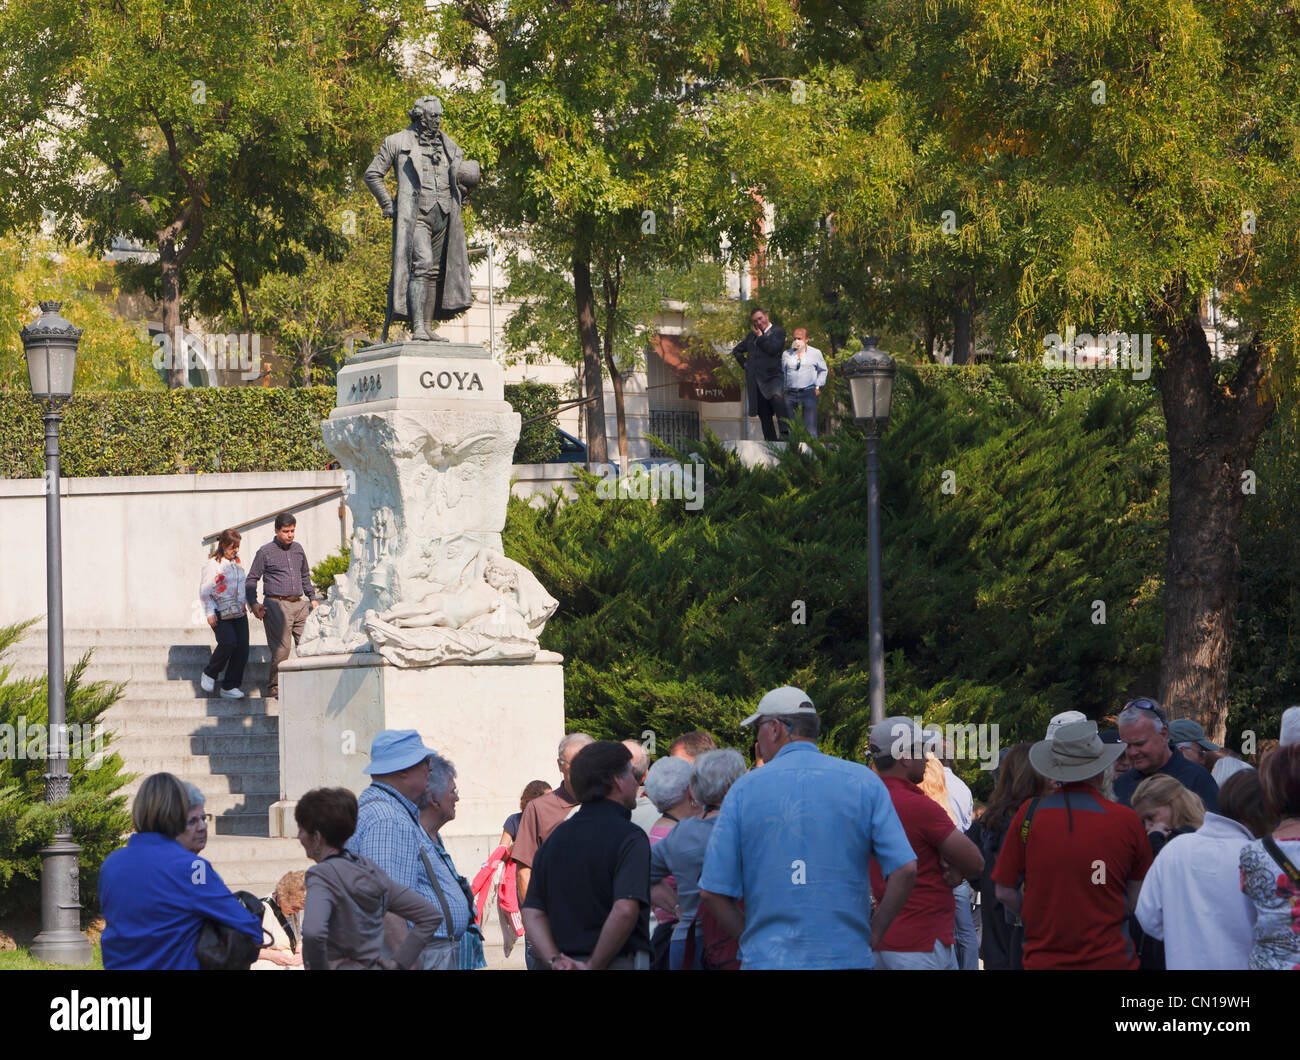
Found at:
(221, 590)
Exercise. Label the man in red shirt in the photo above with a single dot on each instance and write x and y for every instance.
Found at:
(921, 936)
(1081, 859)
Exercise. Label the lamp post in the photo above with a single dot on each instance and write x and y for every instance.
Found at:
(871, 385)
(50, 344)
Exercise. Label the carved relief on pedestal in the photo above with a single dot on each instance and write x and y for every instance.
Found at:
(428, 582)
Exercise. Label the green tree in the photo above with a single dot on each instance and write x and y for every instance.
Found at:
(315, 311)
(596, 149)
(1105, 169)
(204, 130)
(114, 354)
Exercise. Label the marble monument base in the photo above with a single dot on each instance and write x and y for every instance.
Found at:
(499, 724)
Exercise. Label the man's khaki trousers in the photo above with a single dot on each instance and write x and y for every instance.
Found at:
(284, 621)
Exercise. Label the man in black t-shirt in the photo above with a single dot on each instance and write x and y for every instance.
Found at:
(1143, 728)
(588, 902)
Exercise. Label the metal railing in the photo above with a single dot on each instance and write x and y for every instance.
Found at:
(310, 502)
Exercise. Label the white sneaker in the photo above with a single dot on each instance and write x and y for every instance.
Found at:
(207, 683)
(231, 693)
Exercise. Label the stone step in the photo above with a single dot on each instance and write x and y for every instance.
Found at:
(260, 876)
(139, 747)
(25, 654)
(239, 848)
(175, 690)
(127, 725)
(138, 675)
(224, 764)
(246, 822)
(78, 640)
(192, 707)
(211, 783)
(226, 805)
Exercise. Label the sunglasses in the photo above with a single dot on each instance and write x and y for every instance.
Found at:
(1147, 704)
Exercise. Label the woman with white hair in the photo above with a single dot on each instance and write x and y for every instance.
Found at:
(195, 836)
(680, 856)
(667, 785)
(437, 809)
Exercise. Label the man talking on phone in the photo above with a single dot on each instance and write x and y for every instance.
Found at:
(759, 353)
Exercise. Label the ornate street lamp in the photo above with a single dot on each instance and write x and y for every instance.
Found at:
(51, 347)
(871, 385)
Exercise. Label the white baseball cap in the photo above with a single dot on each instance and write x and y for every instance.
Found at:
(783, 702)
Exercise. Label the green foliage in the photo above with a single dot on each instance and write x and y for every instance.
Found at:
(324, 573)
(336, 295)
(97, 814)
(605, 164)
(172, 432)
(1265, 676)
(673, 620)
(206, 131)
(113, 353)
(538, 441)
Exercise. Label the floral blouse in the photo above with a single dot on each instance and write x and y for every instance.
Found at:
(1277, 905)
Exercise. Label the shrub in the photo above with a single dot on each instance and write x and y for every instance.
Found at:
(324, 573)
(672, 620)
(538, 441)
(97, 814)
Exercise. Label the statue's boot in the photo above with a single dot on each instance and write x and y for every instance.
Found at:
(417, 298)
(431, 324)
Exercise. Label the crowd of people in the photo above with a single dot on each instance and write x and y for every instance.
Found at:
(1095, 850)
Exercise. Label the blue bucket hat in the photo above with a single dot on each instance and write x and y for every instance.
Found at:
(393, 750)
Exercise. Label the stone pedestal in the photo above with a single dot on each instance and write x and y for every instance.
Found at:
(498, 723)
(432, 627)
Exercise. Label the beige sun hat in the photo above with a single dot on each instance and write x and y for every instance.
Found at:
(1075, 752)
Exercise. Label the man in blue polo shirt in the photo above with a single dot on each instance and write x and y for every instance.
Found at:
(1143, 728)
(794, 841)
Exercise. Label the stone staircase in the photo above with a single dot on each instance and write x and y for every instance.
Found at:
(228, 748)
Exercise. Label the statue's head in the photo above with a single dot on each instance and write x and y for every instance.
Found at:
(427, 111)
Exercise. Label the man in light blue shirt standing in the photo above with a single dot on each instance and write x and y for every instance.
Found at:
(390, 834)
(805, 375)
(794, 841)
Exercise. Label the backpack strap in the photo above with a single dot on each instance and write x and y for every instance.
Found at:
(1275, 852)
(1029, 819)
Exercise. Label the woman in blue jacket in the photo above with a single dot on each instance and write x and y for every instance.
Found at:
(155, 894)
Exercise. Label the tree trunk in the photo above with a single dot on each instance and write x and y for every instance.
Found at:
(177, 365)
(962, 326)
(1212, 433)
(620, 407)
(589, 336)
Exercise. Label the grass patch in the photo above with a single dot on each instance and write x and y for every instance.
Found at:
(21, 960)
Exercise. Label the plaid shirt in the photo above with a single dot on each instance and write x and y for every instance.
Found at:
(389, 833)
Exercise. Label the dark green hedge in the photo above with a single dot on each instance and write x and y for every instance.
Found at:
(199, 431)
(538, 441)
(208, 430)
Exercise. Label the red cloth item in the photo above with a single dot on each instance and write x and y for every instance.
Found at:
(1075, 864)
(930, 912)
(507, 892)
